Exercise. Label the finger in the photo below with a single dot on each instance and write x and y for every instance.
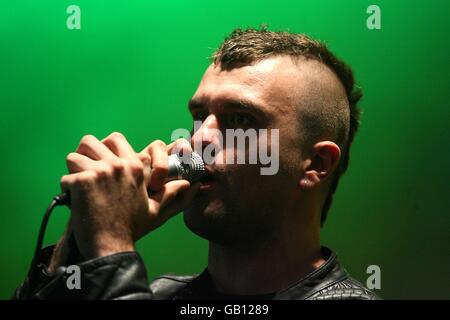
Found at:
(157, 151)
(119, 145)
(70, 181)
(146, 162)
(182, 201)
(66, 183)
(180, 147)
(91, 147)
(169, 192)
(77, 162)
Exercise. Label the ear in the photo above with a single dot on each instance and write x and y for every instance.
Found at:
(324, 160)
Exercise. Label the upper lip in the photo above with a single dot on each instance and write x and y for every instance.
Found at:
(209, 174)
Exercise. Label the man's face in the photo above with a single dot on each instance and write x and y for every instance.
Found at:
(239, 203)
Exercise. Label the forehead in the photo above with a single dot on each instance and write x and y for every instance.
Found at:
(271, 83)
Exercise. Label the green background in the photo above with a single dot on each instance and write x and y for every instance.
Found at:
(132, 68)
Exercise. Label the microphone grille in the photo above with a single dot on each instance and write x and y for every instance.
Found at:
(194, 169)
(187, 166)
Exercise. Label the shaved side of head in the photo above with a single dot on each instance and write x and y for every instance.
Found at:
(323, 109)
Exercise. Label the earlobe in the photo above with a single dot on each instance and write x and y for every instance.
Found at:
(309, 181)
(305, 184)
(327, 155)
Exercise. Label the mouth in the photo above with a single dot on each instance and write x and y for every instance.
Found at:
(207, 179)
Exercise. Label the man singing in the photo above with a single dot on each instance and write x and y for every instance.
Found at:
(263, 229)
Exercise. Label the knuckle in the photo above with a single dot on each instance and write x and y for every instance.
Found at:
(145, 158)
(160, 169)
(157, 144)
(117, 165)
(87, 178)
(70, 157)
(137, 169)
(86, 139)
(103, 171)
(64, 183)
(182, 146)
(116, 135)
(183, 141)
(65, 179)
(136, 166)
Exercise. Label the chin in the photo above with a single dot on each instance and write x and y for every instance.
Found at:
(207, 221)
(212, 220)
(201, 213)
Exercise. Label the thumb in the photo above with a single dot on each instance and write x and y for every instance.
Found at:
(183, 200)
(167, 194)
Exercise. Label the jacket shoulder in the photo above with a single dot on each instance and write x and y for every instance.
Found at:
(346, 289)
(167, 286)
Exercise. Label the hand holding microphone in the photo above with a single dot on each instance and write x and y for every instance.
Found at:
(190, 168)
(117, 195)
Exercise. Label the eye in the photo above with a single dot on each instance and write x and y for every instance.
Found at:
(199, 116)
(240, 120)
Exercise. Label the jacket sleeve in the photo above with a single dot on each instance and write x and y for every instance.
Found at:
(118, 276)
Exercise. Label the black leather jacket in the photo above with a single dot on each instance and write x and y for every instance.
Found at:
(123, 276)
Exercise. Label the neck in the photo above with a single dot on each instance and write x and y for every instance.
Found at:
(269, 267)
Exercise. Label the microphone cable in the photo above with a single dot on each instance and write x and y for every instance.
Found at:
(59, 200)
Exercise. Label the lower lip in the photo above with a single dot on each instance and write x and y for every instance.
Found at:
(207, 185)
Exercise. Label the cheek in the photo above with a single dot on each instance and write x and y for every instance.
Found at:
(254, 151)
(246, 178)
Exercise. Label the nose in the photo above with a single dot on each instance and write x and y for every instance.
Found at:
(206, 132)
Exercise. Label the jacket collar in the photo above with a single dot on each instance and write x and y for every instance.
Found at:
(328, 273)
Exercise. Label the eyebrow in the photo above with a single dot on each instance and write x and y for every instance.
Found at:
(240, 104)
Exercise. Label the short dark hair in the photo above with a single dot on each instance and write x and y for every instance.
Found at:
(246, 46)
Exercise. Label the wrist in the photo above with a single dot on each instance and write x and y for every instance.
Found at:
(107, 246)
(64, 253)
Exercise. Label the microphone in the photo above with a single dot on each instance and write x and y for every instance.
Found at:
(189, 167)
